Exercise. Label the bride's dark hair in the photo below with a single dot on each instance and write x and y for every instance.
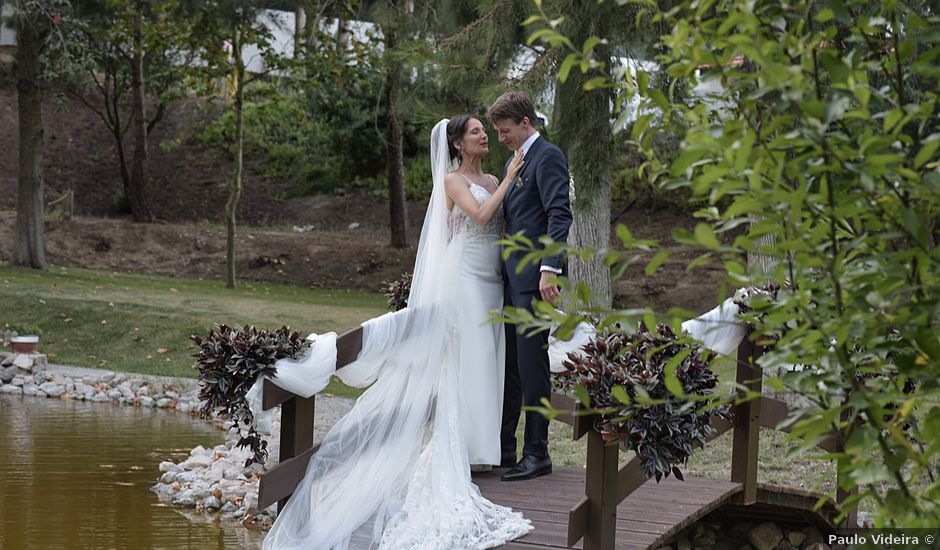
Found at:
(456, 128)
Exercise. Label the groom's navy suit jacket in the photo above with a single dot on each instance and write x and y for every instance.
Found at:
(537, 204)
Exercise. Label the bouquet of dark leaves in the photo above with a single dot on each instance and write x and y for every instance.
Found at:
(653, 393)
(229, 362)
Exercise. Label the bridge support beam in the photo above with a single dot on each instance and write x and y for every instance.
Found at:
(601, 489)
(296, 431)
(746, 442)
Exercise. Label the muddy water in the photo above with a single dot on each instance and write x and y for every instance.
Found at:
(76, 475)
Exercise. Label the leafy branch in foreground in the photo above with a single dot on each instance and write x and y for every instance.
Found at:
(813, 140)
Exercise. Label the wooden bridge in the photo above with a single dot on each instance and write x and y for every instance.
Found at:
(606, 505)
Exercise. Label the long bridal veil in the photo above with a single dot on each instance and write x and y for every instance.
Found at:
(393, 473)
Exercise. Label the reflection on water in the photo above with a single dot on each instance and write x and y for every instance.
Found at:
(77, 475)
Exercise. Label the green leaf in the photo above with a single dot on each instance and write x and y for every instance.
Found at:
(926, 153)
(657, 261)
(594, 83)
(582, 394)
(590, 44)
(825, 15)
(623, 233)
(566, 66)
(532, 19)
(682, 163)
(621, 395)
(705, 236)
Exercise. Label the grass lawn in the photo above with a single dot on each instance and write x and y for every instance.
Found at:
(142, 324)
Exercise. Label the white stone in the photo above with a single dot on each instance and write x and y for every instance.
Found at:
(126, 391)
(168, 477)
(23, 361)
(212, 503)
(184, 406)
(200, 493)
(354, 225)
(187, 477)
(10, 388)
(164, 402)
(143, 391)
(215, 472)
(52, 389)
(7, 374)
(146, 401)
(251, 500)
(100, 397)
(168, 466)
(184, 501)
(114, 394)
(18, 381)
(31, 389)
(197, 461)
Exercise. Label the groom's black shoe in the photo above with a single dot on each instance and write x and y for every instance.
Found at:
(529, 467)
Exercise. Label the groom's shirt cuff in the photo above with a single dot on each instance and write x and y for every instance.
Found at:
(554, 270)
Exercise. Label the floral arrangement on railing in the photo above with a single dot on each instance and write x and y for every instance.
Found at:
(652, 392)
(229, 362)
(396, 292)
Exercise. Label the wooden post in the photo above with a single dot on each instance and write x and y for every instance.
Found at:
(601, 490)
(851, 520)
(746, 442)
(296, 430)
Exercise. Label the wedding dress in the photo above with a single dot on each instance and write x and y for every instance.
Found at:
(394, 473)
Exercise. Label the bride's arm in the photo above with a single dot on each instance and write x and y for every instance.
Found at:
(458, 191)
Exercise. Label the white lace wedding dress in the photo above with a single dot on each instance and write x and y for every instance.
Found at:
(394, 473)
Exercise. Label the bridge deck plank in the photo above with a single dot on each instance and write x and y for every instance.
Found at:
(646, 518)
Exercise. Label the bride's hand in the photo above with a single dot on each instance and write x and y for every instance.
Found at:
(515, 165)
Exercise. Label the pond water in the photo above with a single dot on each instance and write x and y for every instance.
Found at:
(77, 475)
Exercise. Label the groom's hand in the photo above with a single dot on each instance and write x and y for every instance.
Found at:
(550, 292)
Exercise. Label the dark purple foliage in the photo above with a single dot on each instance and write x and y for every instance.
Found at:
(229, 362)
(396, 292)
(663, 435)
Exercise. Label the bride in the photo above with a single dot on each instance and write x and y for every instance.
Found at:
(394, 473)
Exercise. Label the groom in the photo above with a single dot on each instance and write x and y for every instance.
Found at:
(536, 205)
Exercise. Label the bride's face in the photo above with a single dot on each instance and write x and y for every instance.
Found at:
(475, 142)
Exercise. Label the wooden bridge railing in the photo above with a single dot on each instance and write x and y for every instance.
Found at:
(607, 482)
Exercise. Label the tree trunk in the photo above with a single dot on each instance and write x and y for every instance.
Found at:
(29, 246)
(397, 206)
(140, 205)
(342, 34)
(300, 25)
(584, 134)
(235, 188)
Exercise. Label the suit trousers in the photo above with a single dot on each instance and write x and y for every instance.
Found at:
(527, 382)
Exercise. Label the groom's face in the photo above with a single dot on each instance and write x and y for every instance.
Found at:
(513, 134)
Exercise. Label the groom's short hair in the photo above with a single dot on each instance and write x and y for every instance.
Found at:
(515, 106)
